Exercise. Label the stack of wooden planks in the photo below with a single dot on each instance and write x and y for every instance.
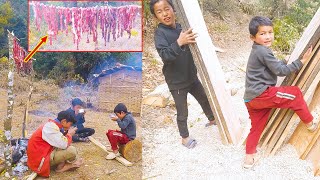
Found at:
(210, 72)
(282, 125)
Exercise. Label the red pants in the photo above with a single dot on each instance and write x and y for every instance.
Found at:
(259, 108)
(116, 137)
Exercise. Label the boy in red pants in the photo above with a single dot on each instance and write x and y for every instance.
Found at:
(127, 133)
(261, 95)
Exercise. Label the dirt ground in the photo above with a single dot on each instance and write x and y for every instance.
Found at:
(47, 100)
(163, 155)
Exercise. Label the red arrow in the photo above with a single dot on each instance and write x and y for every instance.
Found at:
(43, 40)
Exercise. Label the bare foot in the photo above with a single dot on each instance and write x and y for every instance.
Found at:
(185, 140)
(70, 166)
(211, 123)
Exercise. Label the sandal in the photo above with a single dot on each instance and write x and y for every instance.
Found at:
(250, 166)
(191, 143)
(211, 124)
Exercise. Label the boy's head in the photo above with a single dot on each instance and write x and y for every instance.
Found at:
(163, 10)
(76, 104)
(261, 30)
(66, 119)
(120, 110)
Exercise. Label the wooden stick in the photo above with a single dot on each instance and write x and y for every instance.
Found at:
(120, 159)
(32, 176)
(311, 144)
(26, 114)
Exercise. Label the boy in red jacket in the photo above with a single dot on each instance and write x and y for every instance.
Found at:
(49, 147)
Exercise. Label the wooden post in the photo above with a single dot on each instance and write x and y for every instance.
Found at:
(8, 120)
(210, 72)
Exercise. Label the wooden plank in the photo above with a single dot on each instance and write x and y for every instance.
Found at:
(308, 85)
(120, 159)
(314, 156)
(308, 97)
(309, 37)
(275, 119)
(301, 137)
(311, 144)
(299, 80)
(210, 71)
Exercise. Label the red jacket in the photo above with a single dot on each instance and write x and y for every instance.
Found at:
(39, 150)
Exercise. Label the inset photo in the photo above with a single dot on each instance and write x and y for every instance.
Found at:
(85, 25)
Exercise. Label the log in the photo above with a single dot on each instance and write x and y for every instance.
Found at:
(159, 97)
(132, 151)
(210, 72)
(120, 159)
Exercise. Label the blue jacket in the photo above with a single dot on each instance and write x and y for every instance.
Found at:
(79, 117)
(128, 126)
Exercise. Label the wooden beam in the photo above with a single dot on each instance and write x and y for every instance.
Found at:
(210, 72)
(120, 159)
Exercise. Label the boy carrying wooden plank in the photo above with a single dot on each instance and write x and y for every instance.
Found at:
(179, 69)
(49, 147)
(128, 130)
(261, 95)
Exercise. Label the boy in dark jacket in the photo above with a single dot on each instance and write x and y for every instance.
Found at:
(179, 69)
(78, 112)
(127, 133)
(261, 95)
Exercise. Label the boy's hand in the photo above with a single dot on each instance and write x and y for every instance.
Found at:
(114, 118)
(72, 131)
(306, 55)
(187, 37)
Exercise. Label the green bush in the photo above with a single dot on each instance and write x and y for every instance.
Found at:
(289, 28)
(286, 34)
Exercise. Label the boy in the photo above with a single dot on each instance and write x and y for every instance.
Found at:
(127, 133)
(48, 146)
(78, 112)
(179, 69)
(261, 95)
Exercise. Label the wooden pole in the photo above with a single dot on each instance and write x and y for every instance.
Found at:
(8, 120)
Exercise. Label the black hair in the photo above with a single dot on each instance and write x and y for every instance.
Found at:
(76, 101)
(258, 21)
(120, 107)
(67, 116)
(153, 2)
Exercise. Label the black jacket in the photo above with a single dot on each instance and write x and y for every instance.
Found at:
(179, 68)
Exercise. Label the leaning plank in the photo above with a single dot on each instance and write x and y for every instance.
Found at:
(309, 95)
(314, 156)
(301, 137)
(300, 79)
(308, 86)
(120, 159)
(210, 72)
(309, 37)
